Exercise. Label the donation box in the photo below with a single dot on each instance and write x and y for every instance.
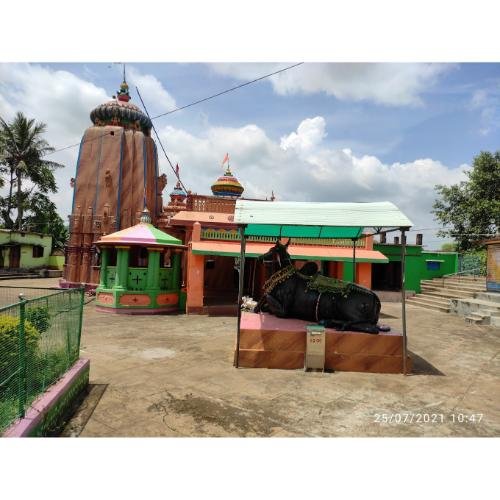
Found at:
(315, 347)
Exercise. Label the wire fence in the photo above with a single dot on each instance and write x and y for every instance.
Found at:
(39, 341)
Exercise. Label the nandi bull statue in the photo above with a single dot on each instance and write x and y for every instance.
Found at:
(305, 294)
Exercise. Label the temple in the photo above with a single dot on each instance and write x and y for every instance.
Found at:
(117, 179)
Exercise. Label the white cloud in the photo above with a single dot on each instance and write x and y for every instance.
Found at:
(152, 91)
(300, 167)
(309, 134)
(486, 101)
(382, 83)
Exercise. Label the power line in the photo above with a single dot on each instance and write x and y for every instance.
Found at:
(80, 143)
(161, 145)
(228, 90)
(187, 105)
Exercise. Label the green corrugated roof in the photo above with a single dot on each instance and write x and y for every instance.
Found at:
(287, 231)
(316, 219)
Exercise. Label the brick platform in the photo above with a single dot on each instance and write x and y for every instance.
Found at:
(270, 342)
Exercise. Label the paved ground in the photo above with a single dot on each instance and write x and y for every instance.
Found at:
(173, 376)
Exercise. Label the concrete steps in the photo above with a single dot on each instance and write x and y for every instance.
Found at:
(451, 285)
(445, 292)
(475, 318)
(465, 296)
(18, 276)
(430, 302)
(483, 309)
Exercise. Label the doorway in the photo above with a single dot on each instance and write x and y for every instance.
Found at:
(15, 256)
(386, 276)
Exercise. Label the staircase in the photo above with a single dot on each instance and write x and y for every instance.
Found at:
(10, 274)
(439, 293)
(483, 309)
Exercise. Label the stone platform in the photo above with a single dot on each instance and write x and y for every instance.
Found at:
(270, 342)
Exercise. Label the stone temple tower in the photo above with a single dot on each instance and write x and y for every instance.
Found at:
(116, 179)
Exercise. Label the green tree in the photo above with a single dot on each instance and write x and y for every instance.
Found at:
(22, 152)
(42, 217)
(449, 247)
(470, 211)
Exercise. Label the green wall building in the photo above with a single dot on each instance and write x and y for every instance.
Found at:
(419, 265)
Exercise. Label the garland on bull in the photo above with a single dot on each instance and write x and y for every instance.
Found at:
(318, 282)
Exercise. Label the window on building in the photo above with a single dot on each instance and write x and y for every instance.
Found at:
(112, 256)
(37, 251)
(433, 265)
(138, 257)
(167, 258)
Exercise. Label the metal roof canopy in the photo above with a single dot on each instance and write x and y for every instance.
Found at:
(316, 219)
(319, 220)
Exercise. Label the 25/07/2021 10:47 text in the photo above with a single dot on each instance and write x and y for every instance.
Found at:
(427, 418)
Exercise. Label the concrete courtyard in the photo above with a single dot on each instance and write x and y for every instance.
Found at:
(173, 376)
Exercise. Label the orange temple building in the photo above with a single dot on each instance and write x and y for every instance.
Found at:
(116, 177)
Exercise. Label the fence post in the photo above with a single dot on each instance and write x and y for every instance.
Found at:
(80, 320)
(22, 357)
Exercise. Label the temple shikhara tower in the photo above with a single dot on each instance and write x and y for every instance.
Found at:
(116, 179)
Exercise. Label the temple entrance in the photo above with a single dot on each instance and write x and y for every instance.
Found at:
(386, 276)
(221, 280)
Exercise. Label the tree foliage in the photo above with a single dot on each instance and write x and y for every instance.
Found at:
(30, 179)
(42, 217)
(23, 149)
(470, 211)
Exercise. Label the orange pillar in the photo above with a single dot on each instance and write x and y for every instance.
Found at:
(195, 275)
(364, 274)
(369, 243)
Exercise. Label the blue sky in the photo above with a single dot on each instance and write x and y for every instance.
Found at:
(324, 132)
(445, 126)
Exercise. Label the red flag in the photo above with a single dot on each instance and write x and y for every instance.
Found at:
(226, 158)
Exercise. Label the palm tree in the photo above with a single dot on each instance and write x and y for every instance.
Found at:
(22, 149)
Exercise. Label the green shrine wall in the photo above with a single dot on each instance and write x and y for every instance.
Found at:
(152, 288)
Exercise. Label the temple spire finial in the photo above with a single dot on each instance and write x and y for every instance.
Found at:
(145, 216)
(123, 93)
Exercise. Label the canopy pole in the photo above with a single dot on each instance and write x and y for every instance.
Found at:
(243, 241)
(403, 295)
(354, 260)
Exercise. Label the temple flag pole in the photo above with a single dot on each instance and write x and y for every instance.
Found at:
(403, 295)
(243, 241)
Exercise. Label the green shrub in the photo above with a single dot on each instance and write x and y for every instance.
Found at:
(39, 317)
(9, 344)
(475, 260)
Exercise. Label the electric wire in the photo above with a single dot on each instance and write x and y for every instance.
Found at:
(159, 141)
(189, 105)
(227, 91)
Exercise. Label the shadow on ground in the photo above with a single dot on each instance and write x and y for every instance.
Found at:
(422, 367)
(83, 410)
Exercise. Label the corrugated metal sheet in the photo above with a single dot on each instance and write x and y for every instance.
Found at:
(291, 213)
(287, 231)
(297, 252)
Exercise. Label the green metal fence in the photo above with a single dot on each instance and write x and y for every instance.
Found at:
(39, 341)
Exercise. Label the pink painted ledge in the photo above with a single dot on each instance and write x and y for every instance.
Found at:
(266, 321)
(41, 405)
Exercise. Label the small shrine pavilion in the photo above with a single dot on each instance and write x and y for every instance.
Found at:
(140, 271)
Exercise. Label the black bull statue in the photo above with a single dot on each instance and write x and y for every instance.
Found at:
(305, 294)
